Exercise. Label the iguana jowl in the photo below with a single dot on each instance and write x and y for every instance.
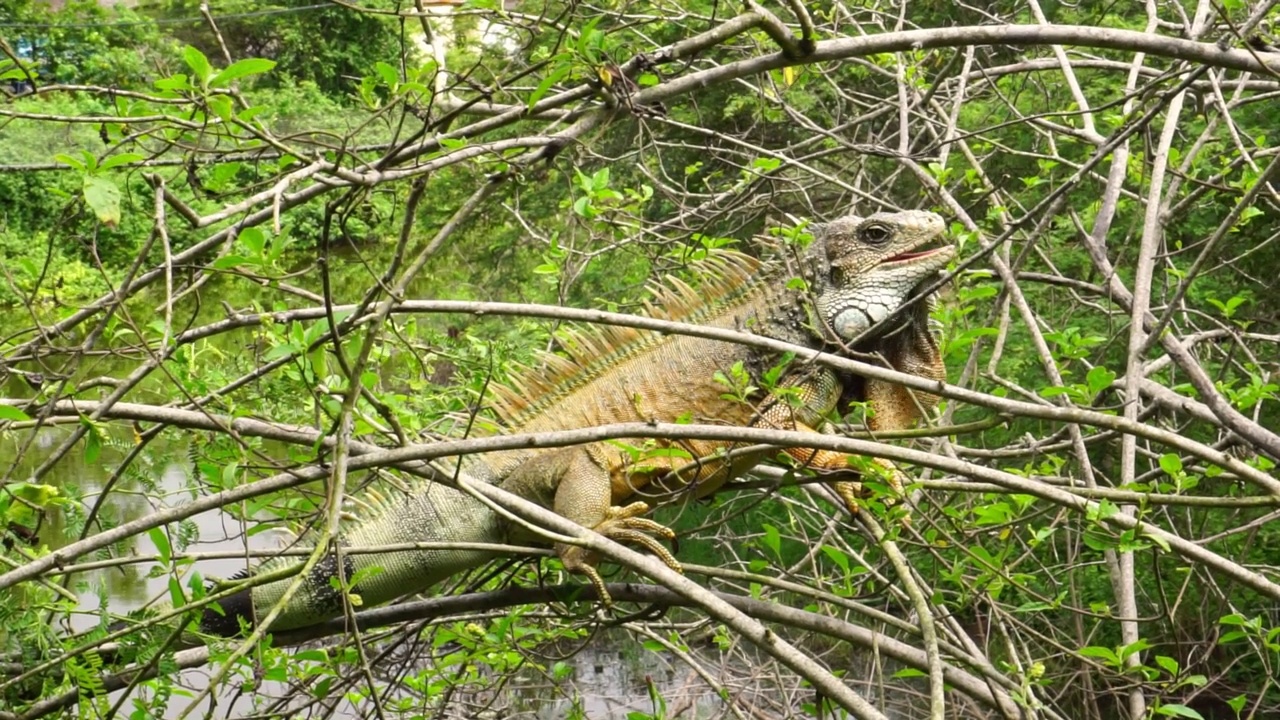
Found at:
(857, 271)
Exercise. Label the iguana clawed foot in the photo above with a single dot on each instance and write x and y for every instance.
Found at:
(621, 524)
(851, 491)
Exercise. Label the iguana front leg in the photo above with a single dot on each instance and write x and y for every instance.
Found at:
(895, 407)
(621, 524)
(802, 405)
(584, 494)
(849, 490)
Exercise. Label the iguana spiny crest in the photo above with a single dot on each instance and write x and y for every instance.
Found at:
(724, 278)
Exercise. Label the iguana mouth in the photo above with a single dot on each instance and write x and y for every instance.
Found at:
(904, 257)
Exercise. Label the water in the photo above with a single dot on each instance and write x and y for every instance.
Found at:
(159, 477)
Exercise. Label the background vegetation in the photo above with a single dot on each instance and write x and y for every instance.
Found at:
(1100, 542)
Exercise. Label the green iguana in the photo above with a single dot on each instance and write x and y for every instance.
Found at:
(857, 272)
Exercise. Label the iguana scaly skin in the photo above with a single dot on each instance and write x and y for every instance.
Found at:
(857, 271)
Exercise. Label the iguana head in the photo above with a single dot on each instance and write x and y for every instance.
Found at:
(875, 264)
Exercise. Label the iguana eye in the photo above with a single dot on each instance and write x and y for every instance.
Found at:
(875, 233)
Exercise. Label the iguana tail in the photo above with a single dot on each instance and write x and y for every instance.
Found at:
(428, 513)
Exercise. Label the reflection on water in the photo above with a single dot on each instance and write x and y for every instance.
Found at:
(159, 477)
(618, 681)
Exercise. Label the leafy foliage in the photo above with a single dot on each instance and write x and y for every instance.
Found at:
(1112, 522)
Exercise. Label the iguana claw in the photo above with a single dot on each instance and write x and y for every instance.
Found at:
(851, 492)
(621, 524)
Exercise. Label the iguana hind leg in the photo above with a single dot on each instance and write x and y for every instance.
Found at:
(585, 496)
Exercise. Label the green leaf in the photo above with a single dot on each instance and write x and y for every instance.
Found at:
(366, 91)
(1099, 379)
(92, 442)
(1178, 710)
(199, 64)
(1102, 653)
(225, 172)
(1054, 390)
(1171, 463)
(8, 412)
(68, 160)
(280, 351)
(654, 646)
(103, 197)
(600, 180)
(177, 81)
(176, 596)
(1136, 646)
(161, 541)
(772, 539)
(558, 73)
(590, 40)
(837, 556)
(1164, 544)
(1106, 509)
(37, 494)
(766, 164)
(232, 261)
(221, 106)
(121, 159)
(253, 239)
(196, 584)
(388, 73)
(241, 68)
